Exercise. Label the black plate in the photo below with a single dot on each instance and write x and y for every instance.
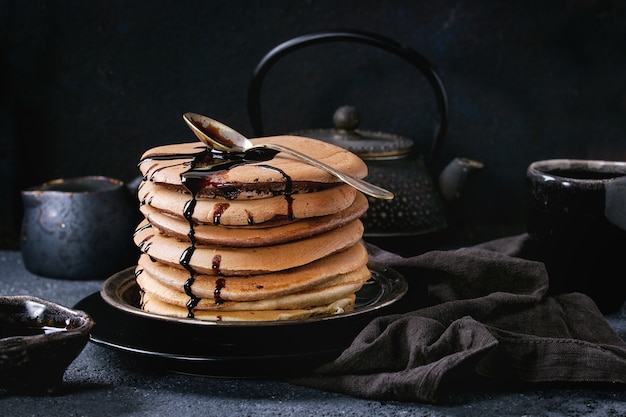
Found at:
(234, 349)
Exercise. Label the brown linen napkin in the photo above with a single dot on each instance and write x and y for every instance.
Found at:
(486, 317)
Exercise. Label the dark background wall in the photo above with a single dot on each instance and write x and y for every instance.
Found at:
(88, 86)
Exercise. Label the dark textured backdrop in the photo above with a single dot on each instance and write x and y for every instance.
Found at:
(88, 86)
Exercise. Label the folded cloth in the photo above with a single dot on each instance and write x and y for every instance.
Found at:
(486, 317)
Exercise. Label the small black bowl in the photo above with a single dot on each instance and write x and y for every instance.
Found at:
(38, 340)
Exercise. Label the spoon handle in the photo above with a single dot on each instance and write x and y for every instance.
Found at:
(359, 184)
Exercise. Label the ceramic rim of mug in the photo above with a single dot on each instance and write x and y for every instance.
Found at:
(551, 167)
(78, 185)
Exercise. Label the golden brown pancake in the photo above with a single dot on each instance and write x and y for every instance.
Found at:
(346, 266)
(253, 211)
(314, 297)
(209, 259)
(156, 306)
(260, 234)
(255, 176)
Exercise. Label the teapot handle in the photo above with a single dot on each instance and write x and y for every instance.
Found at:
(422, 64)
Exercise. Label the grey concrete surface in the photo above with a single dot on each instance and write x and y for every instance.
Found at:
(103, 382)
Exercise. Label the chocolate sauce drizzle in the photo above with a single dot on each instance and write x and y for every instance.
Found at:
(145, 244)
(217, 292)
(219, 210)
(288, 189)
(202, 165)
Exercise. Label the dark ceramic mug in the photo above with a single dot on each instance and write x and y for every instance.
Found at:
(78, 228)
(576, 220)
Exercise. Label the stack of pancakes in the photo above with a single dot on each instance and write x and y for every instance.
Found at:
(249, 236)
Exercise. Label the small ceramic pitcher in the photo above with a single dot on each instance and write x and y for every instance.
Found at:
(79, 228)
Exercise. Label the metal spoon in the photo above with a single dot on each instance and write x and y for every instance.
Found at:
(224, 138)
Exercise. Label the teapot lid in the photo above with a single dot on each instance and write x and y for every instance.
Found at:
(365, 144)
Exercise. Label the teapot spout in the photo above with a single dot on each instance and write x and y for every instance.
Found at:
(454, 177)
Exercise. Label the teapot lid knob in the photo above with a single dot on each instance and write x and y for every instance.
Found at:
(347, 118)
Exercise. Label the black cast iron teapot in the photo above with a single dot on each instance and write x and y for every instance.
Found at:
(419, 205)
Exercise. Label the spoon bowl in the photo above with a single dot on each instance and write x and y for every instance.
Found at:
(217, 135)
(221, 137)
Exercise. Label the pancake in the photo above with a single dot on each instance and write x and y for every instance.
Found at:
(166, 164)
(156, 306)
(211, 259)
(260, 234)
(314, 297)
(347, 266)
(253, 211)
